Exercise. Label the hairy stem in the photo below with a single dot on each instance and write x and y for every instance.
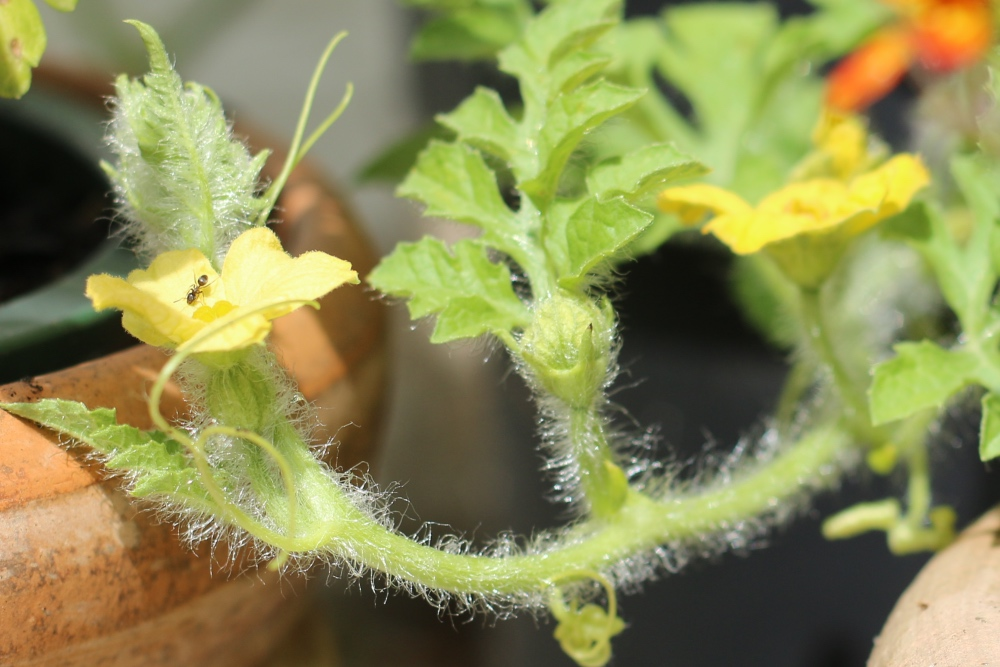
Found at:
(641, 524)
(855, 401)
(602, 482)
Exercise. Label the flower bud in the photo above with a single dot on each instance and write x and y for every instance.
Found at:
(568, 346)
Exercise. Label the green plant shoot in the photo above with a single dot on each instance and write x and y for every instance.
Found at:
(591, 167)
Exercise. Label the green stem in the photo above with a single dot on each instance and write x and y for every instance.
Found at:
(299, 147)
(641, 524)
(918, 488)
(603, 483)
(855, 401)
(798, 380)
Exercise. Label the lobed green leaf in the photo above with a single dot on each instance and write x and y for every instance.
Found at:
(455, 183)
(438, 280)
(642, 172)
(582, 236)
(156, 464)
(180, 172)
(482, 121)
(964, 268)
(568, 26)
(562, 31)
(921, 375)
(570, 117)
(469, 33)
(752, 104)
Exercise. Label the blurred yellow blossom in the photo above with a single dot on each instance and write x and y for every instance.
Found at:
(180, 294)
(806, 225)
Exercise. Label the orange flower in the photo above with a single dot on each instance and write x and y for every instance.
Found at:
(941, 35)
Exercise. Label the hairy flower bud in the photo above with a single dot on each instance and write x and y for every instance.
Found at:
(568, 346)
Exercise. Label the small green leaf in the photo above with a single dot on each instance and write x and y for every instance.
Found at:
(575, 69)
(22, 43)
(155, 464)
(185, 178)
(583, 236)
(978, 178)
(483, 121)
(473, 33)
(642, 172)
(989, 428)
(472, 316)
(455, 183)
(568, 27)
(62, 5)
(435, 279)
(569, 118)
(663, 227)
(67, 417)
(964, 269)
(550, 57)
(922, 375)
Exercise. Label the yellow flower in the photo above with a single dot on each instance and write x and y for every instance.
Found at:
(806, 225)
(180, 294)
(842, 150)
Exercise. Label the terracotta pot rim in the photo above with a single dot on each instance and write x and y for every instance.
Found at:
(86, 569)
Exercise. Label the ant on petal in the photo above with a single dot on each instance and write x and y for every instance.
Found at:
(195, 292)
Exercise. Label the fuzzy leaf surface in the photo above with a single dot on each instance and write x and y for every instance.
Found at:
(548, 55)
(154, 463)
(581, 237)
(569, 118)
(455, 183)
(440, 280)
(642, 172)
(180, 171)
(921, 375)
(482, 121)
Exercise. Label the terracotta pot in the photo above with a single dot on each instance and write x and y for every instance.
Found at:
(88, 577)
(950, 613)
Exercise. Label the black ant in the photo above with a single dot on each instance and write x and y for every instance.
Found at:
(196, 289)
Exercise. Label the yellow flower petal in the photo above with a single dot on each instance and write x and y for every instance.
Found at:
(747, 233)
(843, 138)
(834, 195)
(889, 189)
(209, 314)
(258, 271)
(172, 275)
(145, 316)
(180, 296)
(691, 203)
(237, 330)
